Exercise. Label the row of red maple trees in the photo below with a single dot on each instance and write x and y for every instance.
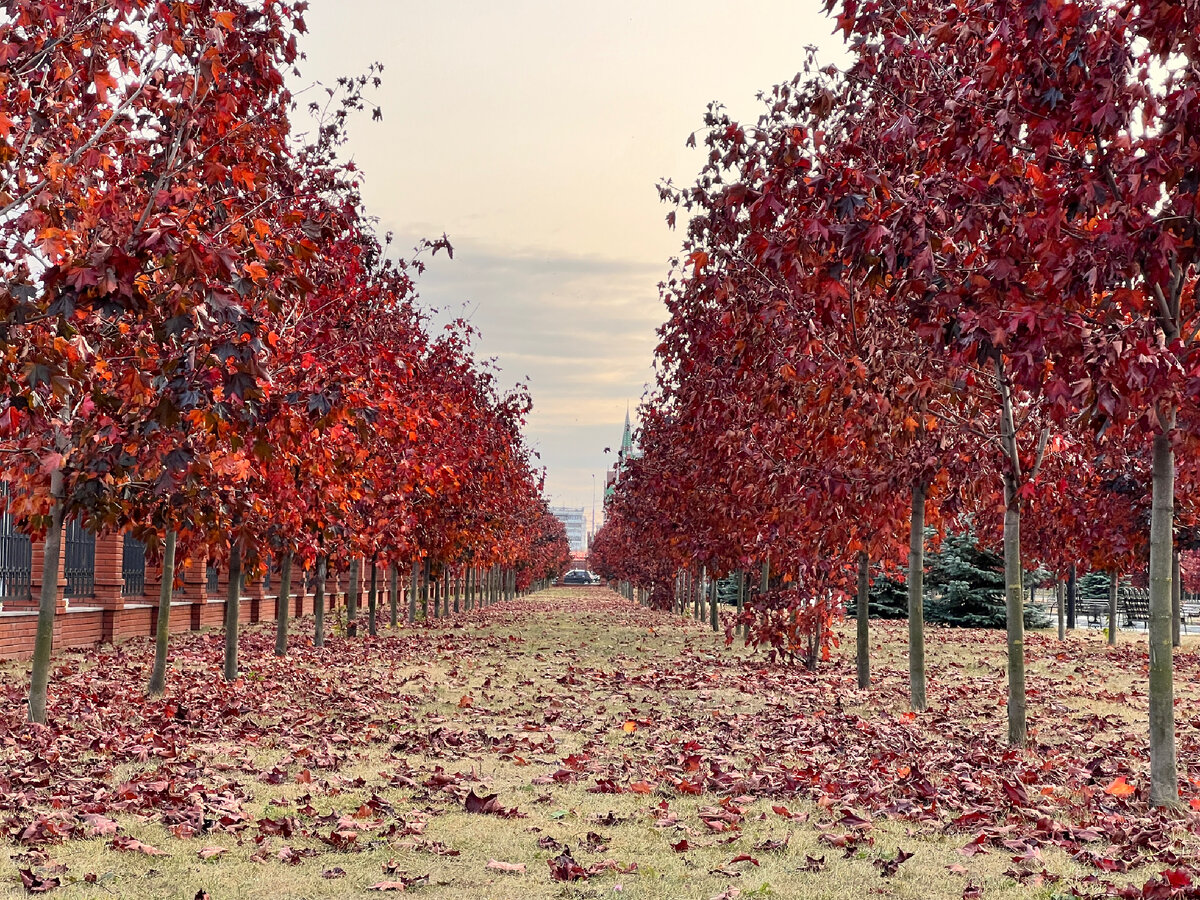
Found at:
(202, 338)
(953, 282)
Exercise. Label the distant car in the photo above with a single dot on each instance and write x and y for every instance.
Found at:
(595, 578)
(577, 576)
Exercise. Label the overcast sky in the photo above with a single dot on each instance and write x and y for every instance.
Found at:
(534, 135)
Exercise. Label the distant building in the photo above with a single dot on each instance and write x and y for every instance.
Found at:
(626, 453)
(575, 523)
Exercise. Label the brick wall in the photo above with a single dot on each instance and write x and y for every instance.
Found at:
(111, 616)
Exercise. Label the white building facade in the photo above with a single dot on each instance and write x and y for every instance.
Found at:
(575, 522)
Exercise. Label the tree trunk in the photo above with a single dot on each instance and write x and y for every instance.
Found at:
(47, 601)
(373, 599)
(1072, 595)
(916, 592)
(458, 587)
(1164, 781)
(863, 646)
(1060, 591)
(353, 590)
(1112, 608)
(1014, 614)
(393, 594)
(283, 604)
(714, 615)
(158, 675)
(741, 600)
(1176, 598)
(425, 589)
(319, 602)
(233, 596)
(412, 592)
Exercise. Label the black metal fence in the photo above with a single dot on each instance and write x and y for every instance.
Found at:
(80, 561)
(133, 567)
(16, 556)
(212, 582)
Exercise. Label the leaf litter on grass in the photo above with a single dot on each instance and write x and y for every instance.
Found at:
(353, 752)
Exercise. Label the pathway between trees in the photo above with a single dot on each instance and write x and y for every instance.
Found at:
(573, 745)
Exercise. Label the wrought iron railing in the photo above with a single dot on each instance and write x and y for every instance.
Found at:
(79, 561)
(212, 579)
(16, 556)
(133, 567)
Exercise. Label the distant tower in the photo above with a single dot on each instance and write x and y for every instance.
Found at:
(623, 457)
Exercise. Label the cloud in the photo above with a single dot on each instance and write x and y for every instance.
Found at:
(578, 329)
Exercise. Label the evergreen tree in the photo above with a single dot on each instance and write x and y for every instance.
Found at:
(1093, 586)
(888, 598)
(965, 586)
(727, 589)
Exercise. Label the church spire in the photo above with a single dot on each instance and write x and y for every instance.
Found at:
(626, 437)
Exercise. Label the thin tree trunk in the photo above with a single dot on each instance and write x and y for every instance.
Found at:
(1176, 598)
(1060, 591)
(458, 588)
(863, 646)
(1164, 780)
(1014, 615)
(162, 635)
(412, 592)
(319, 601)
(353, 591)
(714, 615)
(445, 591)
(1072, 595)
(283, 604)
(916, 591)
(1014, 594)
(741, 600)
(425, 589)
(1112, 608)
(47, 601)
(393, 594)
(233, 596)
(373, 599)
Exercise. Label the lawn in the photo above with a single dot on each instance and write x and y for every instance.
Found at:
(572, 745)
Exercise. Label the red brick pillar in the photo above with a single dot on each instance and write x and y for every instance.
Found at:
(192, 573)
(299, 587)
(109, 582)
(253, 594)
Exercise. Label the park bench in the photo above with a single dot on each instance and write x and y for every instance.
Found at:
(1135, 602)
(1096, 610)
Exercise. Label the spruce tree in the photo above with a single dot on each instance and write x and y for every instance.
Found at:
(888, 598)
(965, 586)
(1093, 586)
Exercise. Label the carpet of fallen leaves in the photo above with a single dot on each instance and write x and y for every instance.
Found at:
(570, 744)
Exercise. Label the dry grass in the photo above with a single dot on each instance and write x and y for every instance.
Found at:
(544, 676)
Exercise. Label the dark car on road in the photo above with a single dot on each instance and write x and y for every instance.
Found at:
(577, 576)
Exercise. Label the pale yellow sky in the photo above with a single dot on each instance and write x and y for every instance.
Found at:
(534, 134)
